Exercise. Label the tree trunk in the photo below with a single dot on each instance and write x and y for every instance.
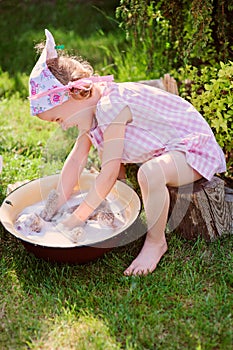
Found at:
(204, 209)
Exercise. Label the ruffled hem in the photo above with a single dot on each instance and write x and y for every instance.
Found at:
(202, 153)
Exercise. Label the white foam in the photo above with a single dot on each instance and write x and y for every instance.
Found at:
(94, 231)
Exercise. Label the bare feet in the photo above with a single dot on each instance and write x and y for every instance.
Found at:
(148, 258)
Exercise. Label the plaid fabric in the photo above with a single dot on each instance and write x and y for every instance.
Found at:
(162, 122)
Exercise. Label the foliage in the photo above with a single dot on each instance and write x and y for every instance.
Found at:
(147, 33)
(210, 90)
(177, 32)
(9, 85)
(82, 26)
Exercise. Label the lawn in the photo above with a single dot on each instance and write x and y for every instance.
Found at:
(186, 303)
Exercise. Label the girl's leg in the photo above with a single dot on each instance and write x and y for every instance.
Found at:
(153, 177)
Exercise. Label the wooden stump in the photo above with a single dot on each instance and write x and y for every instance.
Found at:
(167, 83)
(204, 209)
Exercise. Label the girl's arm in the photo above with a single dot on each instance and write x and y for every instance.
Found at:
(111, 161)
(73, 167)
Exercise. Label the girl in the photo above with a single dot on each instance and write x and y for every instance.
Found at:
(127, 123)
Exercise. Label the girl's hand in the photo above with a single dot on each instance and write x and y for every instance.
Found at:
(72, 222)
(72, 234)
(51, 206)
(71, 228)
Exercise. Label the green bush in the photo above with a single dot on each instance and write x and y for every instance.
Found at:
(210, 90)
(23, 22)
(9, 85)
(147, 52)
(173, 33)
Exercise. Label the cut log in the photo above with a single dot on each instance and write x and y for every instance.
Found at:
(167, 83)
(204, 209)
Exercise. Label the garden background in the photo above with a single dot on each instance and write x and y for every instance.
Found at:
(187, 302)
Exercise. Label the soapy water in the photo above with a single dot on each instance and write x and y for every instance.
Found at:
(108, 218)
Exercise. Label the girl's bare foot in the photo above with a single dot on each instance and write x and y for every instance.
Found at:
(148, 258)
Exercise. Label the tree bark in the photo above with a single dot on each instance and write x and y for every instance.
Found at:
(204, 209)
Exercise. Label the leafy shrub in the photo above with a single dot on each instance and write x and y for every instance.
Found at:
(177, 32)
(10, 85)
(147, 34)
(6, 84)
(210, 90)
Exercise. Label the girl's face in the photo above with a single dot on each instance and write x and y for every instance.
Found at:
(71, 113)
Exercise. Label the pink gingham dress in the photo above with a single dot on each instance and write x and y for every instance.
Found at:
(161, 122)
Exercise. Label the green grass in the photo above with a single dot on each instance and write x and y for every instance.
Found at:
(186, 303)
(82, 26)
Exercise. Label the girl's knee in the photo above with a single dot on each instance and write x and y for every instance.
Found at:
(168, 169)
(142, 177)
(151, 175)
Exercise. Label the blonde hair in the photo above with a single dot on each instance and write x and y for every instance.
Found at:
(67, 69)
(70, 68)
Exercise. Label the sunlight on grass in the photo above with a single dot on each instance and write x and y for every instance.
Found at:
(70, 332)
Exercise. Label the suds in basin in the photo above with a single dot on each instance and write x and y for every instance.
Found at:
(106, 220)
